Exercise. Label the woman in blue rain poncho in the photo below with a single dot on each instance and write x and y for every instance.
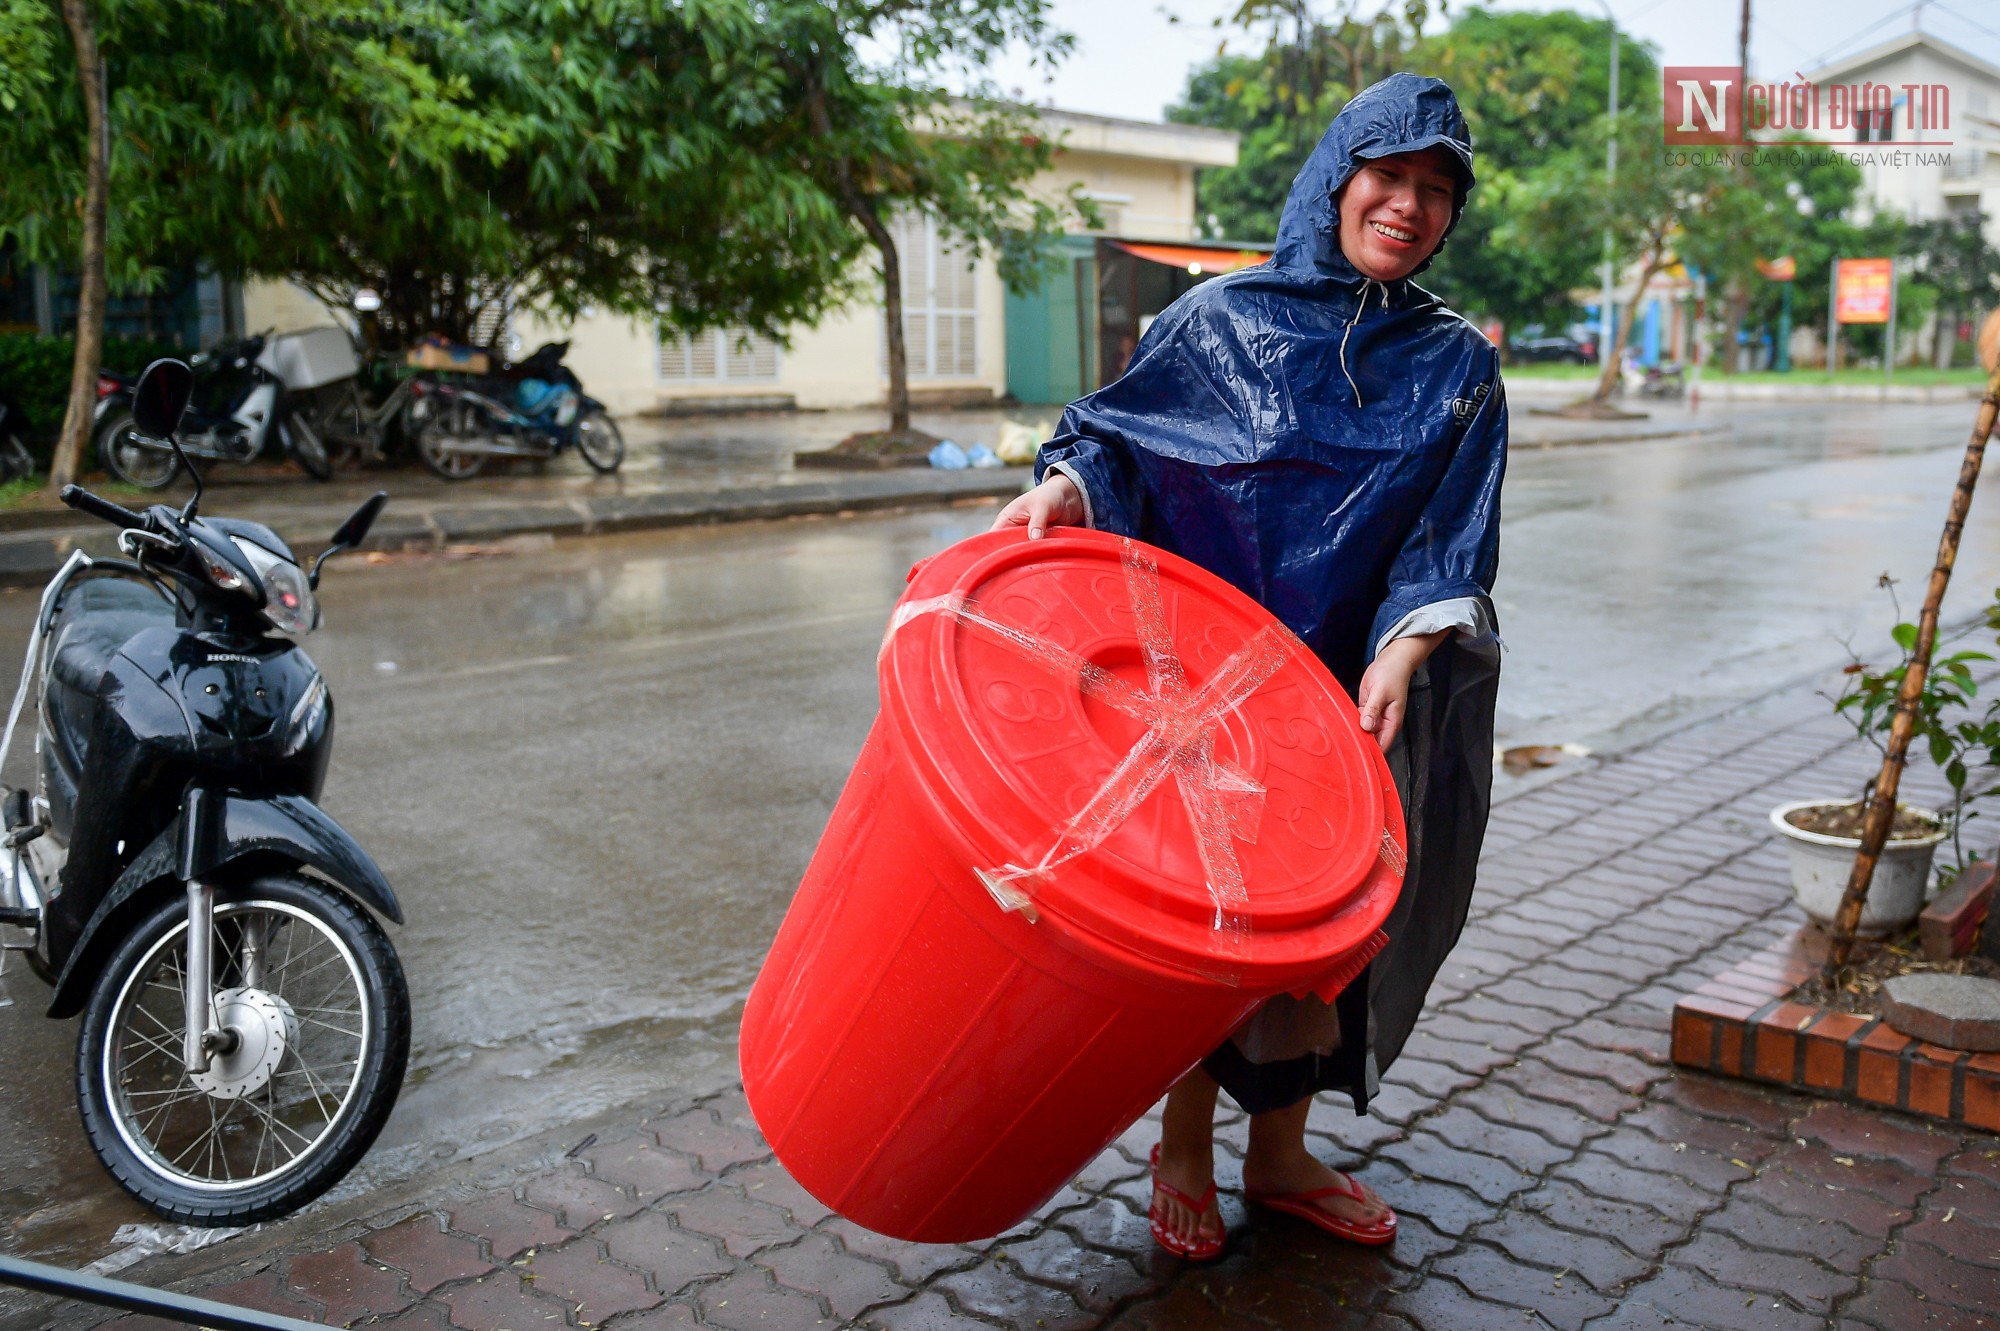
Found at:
(1324, 434)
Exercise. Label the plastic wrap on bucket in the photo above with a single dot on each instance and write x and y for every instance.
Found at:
(1109, 806)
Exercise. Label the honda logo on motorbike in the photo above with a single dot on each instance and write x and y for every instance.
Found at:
(1703, 104)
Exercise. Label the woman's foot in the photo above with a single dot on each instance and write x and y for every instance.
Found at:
(1300, 1184)
(1186, 1218)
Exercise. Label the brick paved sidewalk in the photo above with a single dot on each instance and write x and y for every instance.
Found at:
(1550, 1168)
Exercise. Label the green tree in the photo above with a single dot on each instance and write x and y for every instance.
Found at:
(1952, 256)
(1535, 88)
(886, 136)
(1281, 100)
(1564, 206)
(134, 143)
(672, 159)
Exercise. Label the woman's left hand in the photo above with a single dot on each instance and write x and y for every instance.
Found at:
(1385, 685)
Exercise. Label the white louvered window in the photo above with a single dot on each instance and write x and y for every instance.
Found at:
(719, 356)
(940, 301)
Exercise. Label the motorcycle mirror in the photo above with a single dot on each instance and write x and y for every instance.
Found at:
(352, 532)
(161, 398)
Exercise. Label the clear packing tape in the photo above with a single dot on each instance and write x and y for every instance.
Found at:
(1223, 804)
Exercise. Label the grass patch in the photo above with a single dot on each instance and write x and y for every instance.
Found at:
(1922, 377)
(32, 492)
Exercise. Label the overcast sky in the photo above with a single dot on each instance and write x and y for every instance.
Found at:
(1132, 59)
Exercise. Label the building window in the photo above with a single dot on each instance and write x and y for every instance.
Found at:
(1111, 210)
(718, 356)
(1966, 163)
(1877, 124)
(940, 301)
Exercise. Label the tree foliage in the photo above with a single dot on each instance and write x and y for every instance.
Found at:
(1536, 92)
(1280, 100)
(883, 136)
(1953, 259)
(465, 158)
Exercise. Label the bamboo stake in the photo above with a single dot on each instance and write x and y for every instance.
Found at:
(1882, 804)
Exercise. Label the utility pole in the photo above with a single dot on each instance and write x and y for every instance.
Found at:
(1743, 44)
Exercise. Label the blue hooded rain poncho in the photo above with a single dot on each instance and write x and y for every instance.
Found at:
(1333, 446)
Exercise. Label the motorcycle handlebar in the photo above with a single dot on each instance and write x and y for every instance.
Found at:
(79, 498)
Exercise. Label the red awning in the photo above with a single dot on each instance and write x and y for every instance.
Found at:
(1194, 258)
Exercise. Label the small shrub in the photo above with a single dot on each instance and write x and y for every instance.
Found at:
(1964, 744)
(34, 371)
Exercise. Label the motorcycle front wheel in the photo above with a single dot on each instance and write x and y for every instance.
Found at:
(305, 445)
(313, 992)
(134, 459)
(599, 442)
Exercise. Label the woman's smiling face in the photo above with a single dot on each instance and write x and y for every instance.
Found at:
(1394, 211)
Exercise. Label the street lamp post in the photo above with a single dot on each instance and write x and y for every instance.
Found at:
(1604, 334)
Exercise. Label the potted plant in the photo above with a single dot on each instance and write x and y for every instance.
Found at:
(1824, 834)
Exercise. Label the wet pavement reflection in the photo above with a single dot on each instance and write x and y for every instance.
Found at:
(594, 770)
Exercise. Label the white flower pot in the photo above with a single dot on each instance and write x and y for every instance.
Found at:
(1821, 866)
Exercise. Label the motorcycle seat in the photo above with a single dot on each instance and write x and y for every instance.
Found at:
(99, 617)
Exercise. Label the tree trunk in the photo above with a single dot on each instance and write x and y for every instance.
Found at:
(1882, 803)
(892, 312)
(864, 210)
(1739, 312)
(1622, 330)
(91, 297)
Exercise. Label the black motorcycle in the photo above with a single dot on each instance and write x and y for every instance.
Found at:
(242, 409)
(245, 1020)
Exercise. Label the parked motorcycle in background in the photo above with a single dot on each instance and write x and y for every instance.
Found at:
(15, 460)
(245, 403)
(1665, 379)
(537, 409)
(245, 1021)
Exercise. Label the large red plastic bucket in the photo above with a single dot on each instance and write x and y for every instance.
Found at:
(1108, 808)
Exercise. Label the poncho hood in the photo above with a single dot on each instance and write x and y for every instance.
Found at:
(1404, 113)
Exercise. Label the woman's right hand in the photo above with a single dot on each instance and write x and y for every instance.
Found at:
(1056, 502)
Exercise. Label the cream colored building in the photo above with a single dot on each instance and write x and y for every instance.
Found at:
(1943, 158)
(1140, 175)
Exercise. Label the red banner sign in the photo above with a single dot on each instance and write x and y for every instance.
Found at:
(1861, 290)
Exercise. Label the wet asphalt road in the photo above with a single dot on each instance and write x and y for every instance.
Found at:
(595, 771)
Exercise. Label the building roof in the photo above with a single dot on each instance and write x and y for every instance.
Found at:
(1909, 41)
(1193, 145)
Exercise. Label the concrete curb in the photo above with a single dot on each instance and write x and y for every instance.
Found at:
(30, 557)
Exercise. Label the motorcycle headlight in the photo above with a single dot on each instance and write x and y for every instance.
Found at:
(288, 600)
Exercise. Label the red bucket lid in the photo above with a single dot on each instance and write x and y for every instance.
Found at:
(1145, 754)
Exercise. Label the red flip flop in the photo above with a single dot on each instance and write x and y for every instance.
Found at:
(1302, 1205)
(1201, 1249)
